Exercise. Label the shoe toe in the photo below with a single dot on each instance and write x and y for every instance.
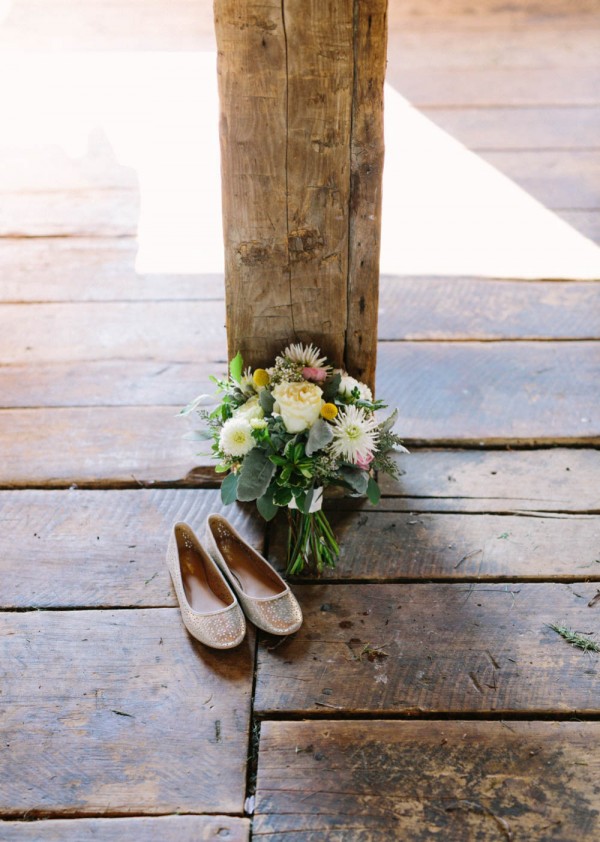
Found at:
(281, 615)
(223, 630)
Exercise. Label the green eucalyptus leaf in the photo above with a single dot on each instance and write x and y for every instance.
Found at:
(201, 400)
(199, 435)
(236, 367)
(357, 479)
(373, 491)
(255, 475)
(267, 507)
(320, 436)
(387, 425)
(331, 387)
(229, 489)
(267, 401)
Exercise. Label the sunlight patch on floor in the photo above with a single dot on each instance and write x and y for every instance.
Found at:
(150, 121)
(446, 211)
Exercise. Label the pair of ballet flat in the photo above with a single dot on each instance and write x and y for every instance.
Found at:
(216, 584)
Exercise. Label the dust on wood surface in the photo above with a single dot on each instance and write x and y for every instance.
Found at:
(101, 548)
(117, 708)
(432, 648)
(139, 829)
(465, 780)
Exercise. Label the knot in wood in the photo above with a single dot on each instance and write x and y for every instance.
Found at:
(304, 244)
(253, 252)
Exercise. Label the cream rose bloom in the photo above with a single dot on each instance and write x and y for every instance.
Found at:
(299, 404)
(249, 410)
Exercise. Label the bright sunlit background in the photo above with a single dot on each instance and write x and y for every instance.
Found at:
(150, 121)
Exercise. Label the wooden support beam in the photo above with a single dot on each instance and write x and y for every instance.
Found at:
(301, 93)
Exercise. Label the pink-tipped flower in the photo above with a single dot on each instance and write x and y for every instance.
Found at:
(317, 375)
(364, 462)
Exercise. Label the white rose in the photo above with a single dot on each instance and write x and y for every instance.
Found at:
(348, 384)
(299, 404)
(249, 410)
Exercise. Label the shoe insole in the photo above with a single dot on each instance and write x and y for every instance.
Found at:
(250, 574)
(195, 584)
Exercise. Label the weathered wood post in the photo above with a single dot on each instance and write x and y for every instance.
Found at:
(301, 98)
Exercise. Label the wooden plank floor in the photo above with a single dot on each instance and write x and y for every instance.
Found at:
(426, 693)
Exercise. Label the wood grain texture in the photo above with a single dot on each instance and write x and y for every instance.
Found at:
(443, 648)
(110, 711)
(144, 445)
(320, 66)
(81, 331)
(383, 546)
(97, 446)
(110, 383)
(64, 213)
(521, 392)
(423, 780)
(101, 548)
(138, 829)
(532, 128)
(80, 269)
(286, 146)
(253, 103)
(366, 171)
(555, 480)
(473, 308)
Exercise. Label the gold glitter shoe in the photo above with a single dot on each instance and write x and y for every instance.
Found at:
(209, 608)
(266, 599)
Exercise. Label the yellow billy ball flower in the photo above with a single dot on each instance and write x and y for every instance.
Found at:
(261, 378)
(329, 411)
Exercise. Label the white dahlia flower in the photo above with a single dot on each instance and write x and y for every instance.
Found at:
(305, 355)
(355, 435)
(235, 438)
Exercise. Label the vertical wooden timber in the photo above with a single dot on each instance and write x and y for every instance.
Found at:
(300, 85)
(366, 164)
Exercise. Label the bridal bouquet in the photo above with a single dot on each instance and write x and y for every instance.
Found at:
(285, 433)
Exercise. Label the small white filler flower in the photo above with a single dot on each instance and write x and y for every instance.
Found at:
(355, 434)
(235, 438)
(348, 384)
